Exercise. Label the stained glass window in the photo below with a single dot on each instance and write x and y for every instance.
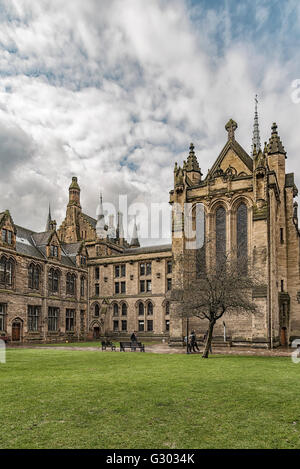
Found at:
(242, 236)
(220, 234)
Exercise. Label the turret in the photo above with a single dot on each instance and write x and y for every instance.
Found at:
(191, 166)
(74, 193)
(277, 156)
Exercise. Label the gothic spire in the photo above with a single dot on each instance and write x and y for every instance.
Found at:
(256, 134)
(192, 163)
(120, 229)
(275, 144)
(135, 239)
(48, 224)
(100, 225)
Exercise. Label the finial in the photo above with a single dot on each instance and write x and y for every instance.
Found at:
(231, 127)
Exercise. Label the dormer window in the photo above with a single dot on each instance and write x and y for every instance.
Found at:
(7, 236)
(54, 251)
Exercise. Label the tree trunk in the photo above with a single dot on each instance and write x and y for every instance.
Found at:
(208, 339)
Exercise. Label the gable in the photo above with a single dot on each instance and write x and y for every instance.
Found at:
(233, 156)
(6, 221)
(232, 160)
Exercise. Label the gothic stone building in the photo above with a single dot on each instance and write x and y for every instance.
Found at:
(249, 204)
(84, 280)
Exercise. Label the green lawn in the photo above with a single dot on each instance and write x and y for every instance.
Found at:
(85, 399)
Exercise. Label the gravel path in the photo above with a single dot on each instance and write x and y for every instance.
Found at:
(164, 348)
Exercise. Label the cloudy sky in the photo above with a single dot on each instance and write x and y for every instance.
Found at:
(113, 91)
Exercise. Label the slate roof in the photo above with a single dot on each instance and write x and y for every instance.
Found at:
(91, 220)
(147, 250)
(34, 244)
(25, 244)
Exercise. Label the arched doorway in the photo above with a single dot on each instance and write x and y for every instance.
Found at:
(95, 329)
(16, 331)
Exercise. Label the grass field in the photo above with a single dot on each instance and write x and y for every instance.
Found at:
(85, 399)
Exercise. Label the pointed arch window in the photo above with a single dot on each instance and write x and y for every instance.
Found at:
(34, 277)
(97, 310)
(220, 234)
(150, 308)
(116, 310)
(71, 282)
(53, 280)
(141, 309)
(124, 309)
(6, 272)
(242, 237)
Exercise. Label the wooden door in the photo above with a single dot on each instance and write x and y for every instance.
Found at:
(283, 336)
(96, 332)
(16, 332)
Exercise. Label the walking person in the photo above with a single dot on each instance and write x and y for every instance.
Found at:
(194, 344)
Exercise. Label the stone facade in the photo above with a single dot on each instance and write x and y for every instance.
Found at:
(43, 285)
(262, 185)
(84, 280)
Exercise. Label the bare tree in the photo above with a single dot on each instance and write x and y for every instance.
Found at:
(225, 287)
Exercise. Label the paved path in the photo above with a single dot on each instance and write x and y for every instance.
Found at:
(164, 348)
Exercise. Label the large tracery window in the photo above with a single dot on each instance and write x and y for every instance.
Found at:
(220, 234)
(242, 237)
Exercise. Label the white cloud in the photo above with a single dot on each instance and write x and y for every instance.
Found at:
(115, 91)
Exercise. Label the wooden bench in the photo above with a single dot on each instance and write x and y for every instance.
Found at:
(132, 345)
(108, 344)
